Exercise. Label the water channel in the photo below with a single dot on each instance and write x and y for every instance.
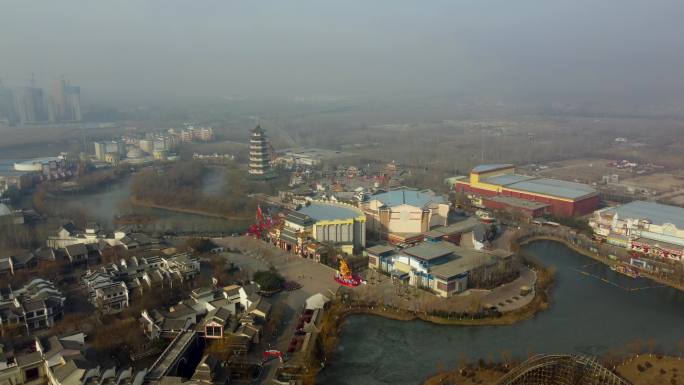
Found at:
(111, 201)
(587, 316)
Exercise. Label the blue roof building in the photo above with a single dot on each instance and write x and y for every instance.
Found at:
(324, 222)
(404, 214)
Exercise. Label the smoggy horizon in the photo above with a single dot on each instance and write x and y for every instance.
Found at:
(212, 51)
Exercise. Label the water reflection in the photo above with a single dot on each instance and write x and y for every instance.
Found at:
(111, 201)
(588, 316)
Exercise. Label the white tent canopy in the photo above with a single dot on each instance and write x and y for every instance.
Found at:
(316, 301)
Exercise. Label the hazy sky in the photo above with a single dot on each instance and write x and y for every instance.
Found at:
(205, 49)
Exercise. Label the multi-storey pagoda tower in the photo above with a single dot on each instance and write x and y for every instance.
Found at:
(260, 155)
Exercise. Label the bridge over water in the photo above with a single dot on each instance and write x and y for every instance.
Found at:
(174, 357)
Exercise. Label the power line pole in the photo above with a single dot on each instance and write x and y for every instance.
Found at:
(482, 152)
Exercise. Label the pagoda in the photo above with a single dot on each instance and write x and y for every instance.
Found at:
(260, 155)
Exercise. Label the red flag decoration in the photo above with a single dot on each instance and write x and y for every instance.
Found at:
(260, 214)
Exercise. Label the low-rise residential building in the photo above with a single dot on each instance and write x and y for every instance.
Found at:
(37, 366)
(648, 227)
(209, 371)
(63, 362)
(214, 314)
(68, 235)
(207, 309)
(111, 286)
(443, 267)
(23, 369)
(217, 323)
(111, 297)
(37, 305)
(77, 254)
(20, 261)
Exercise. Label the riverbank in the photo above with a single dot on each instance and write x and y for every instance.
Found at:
(339, 310)
(639, 369)
(543, 280)
(642, 369)
(587, 317)
(141, 203)
(598, 258)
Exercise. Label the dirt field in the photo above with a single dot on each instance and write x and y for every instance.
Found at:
(662, 182)
(585, 170)
(676, 200)
(666, 370)
(475, 376)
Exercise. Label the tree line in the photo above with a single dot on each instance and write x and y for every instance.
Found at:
(180, 186)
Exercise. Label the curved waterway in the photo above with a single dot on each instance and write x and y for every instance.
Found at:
(588, 316)
(105, 204)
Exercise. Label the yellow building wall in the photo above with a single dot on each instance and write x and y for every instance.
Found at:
(475, 179)
(349, 249)
(402, 267)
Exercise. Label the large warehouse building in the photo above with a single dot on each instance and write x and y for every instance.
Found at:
(565, 199)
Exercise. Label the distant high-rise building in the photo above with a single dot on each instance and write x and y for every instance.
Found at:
(146, 145)
(30, 105)
(115, 147)
(259, 155)
(73, 99)
(64, 102)
(8, 110)
(204, 134)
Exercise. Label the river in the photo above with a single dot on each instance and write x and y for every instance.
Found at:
(587, 316)
(105, 204)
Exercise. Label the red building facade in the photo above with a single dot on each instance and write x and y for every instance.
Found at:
(564, 199)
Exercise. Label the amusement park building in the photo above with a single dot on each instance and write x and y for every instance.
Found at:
(404, 214)
(323, 222)
(442, 266)
(565, 199)
(648, 227)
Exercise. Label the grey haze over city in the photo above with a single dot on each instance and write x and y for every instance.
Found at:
(373, 192)
(532, 51)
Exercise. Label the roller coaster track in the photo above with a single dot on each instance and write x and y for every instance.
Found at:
(557, 369)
